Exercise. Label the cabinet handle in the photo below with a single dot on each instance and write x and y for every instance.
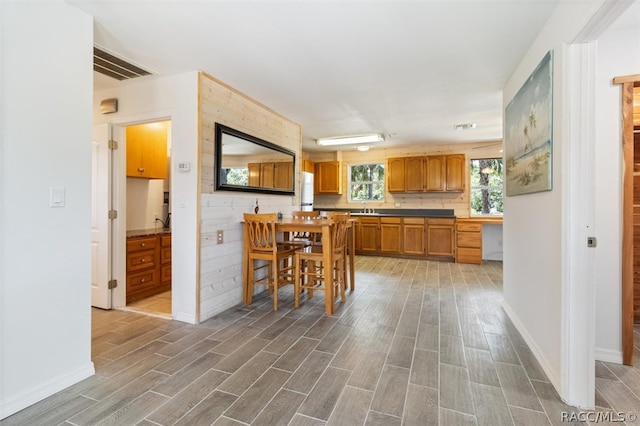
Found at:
(141, 169)
(142, 244)
(143, 280)
(142, 260)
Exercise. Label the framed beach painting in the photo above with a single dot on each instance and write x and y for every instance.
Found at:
(528, 133)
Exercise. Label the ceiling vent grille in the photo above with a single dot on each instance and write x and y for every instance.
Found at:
(114, 67)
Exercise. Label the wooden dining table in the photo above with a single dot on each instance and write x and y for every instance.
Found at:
(322, 226)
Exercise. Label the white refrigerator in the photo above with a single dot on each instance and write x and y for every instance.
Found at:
(306, 193)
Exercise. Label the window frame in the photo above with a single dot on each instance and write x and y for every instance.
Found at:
(350, 183)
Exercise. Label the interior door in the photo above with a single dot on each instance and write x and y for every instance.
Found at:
(100, 223)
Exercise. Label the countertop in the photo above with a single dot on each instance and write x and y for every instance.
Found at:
(148, 232)
(449, 213)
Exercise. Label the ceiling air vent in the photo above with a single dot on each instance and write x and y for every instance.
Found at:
(114, 67)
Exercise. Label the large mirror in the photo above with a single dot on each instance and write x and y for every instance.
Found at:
(247, 163)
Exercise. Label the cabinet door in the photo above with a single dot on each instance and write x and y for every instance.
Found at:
(254, 174)
(391, 235)
(414, 174)
(328, 179)
(368, 235)
(455, 173)
(395, 175)
(147, 150)
(413, 236)
(435, 175)
(267, 175)
(440, 237)
(283, 176)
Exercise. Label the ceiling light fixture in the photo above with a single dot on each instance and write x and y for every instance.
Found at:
(346, 140)
(465, 126)
(362, 148)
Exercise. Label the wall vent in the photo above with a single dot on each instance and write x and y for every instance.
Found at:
(109, 65)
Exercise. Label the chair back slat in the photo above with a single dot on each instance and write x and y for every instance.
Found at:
(340, 231)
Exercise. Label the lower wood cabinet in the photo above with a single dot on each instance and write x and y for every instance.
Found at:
(440, 241)
(406, 237)
(148, 266)
(469, 242)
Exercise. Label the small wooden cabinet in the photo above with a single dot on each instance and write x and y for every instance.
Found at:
(413, 236)
(148, 266)
(390, 235)
(147, 150)
(469, 242)
(367, 240)
(432, 173)
(328, 178)
(278, 175)
(440, 241)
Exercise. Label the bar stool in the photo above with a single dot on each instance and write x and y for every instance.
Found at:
(276, 257)
(310, 272)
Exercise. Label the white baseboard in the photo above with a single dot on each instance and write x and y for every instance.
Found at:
(552, 375)
(184, 317)
(607, 355)
(15, 403)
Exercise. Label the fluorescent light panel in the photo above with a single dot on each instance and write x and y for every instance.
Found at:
(346, 140)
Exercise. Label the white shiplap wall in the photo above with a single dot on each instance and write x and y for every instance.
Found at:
(221, 264)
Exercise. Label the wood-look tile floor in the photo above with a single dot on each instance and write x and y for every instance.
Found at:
(417, 343)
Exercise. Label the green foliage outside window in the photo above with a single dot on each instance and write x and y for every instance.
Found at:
(235, 176)
(366, 182)
(486, 186)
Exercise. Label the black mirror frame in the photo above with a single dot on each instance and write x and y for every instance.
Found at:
(221, 129)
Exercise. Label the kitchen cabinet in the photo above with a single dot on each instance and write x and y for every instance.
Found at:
(271, 175)
(328, 178)
(469, 242)
(440, 237)
(148, 266)
(147, 150)
(413, 236)
(395, 175)
(367, 235)
(308, 166)
(432, 173)
(390, 235)
(455, 173)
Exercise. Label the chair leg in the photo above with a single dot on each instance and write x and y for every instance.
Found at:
(296, 283)
(274, 283)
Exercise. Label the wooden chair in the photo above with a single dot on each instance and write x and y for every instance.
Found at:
(277, 258)
(310, 272)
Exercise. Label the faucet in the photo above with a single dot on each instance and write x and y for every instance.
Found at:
(165, 223)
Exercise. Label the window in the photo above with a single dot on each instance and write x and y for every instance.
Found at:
(366, 182)
(486, 176)
(235, 176)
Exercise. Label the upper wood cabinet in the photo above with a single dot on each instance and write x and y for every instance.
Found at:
(271, 175)
(147, 150)
(328, 178)
(455, 180)
(308, 166)
(432, 173)
(395, 175)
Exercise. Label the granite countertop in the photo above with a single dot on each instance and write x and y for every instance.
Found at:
(148, 232)
(398, 212)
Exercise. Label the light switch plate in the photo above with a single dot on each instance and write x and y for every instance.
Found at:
(56, 197)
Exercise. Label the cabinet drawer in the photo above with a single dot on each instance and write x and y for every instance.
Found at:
(165, 255)
(413, 221)
(369, 220)
(140, 260)
(166, 241)
(431, 221)
(469, 239)
(469, 255)
(134, 244)
(165, 273)
(390, 220)
(469, 227)
(142, 280)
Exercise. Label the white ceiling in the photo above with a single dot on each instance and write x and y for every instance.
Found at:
(411, 70)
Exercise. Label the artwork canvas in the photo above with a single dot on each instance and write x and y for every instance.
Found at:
(528, 133)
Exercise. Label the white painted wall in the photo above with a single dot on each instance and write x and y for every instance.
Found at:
(618, 55)
(45, 298)
(540, 245)
(175, 98)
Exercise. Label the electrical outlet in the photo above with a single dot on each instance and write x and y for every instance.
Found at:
(220, 237)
